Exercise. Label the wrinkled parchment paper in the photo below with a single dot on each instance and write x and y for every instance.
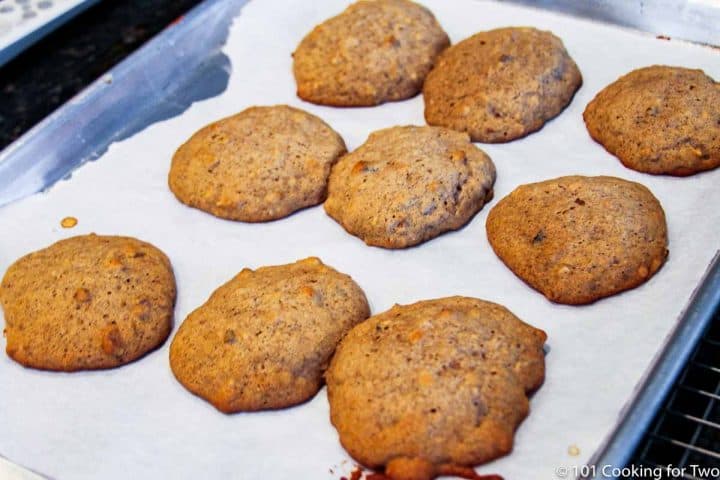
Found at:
(138, 422)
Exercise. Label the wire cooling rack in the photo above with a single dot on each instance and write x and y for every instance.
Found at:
(685, 433)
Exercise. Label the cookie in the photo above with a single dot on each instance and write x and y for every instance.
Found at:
(578, 239)
(406, 185)
(263, 340)
(659, 120)
(87, 302)
(431, 388)
(501, 85)
(262, 164)
(373, 52)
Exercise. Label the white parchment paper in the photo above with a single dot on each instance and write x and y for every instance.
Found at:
(138, 422)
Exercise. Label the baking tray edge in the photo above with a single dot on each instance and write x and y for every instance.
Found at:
(125, 100)
(158, 81)
(635, 418)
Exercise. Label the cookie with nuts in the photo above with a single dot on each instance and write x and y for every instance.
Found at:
(659, 120)
(406, 185)
(87, 302)
(501, 85)
(578, 239)
(373, 52)
(262, 164)
(264, 339)
(435, 387)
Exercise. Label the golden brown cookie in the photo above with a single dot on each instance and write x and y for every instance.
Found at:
(428, 388)
(406, 185)
(87, 302)
(373, 52)
(264, 339)
(660, 120)
(261, 164)
(501, 85)
(578, 239)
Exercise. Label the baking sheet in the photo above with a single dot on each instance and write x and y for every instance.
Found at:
(24, 22)
(137, 421)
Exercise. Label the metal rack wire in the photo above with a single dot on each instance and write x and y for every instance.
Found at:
(686, 430)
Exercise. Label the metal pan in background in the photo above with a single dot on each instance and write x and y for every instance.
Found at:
(23, 23)
(184, 64)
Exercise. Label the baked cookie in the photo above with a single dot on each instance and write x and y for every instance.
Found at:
(87, 302)
(660, 120)
(430, 388)
(406, 185)
(264, 339)
(578, 239)
(501, 85)
(262, 164)
(373, 52)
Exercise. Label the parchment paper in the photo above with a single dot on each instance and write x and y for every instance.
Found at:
(138, 422)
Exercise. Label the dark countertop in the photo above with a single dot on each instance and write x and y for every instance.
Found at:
(52, 71)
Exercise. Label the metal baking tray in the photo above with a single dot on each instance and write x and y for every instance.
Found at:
(23, 23)
(181, 65)
(187, 65)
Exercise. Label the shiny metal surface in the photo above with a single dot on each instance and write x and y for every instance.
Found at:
(668, 363)
(33, 20)
(185, 64)
(181, 65)
(694, 20)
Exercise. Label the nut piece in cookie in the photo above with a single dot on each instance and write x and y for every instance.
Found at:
(87, 302)
(373, 52)
(262, 164)
(501, 85)
(659, 120)
(578, 239)
(406, 185)
(264, 339)
(434, 387)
